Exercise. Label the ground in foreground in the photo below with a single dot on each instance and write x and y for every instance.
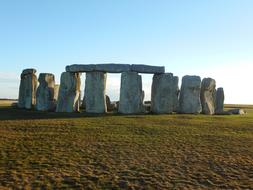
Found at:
(50, 150)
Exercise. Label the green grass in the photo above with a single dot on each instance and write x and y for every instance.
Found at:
(52, 150)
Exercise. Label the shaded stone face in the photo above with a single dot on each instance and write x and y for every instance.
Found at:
(27, 89)
(207, 95)
(68, 98)
(45, 92)
(95, 84)
(131, 96)
(164, 94)
(219, 101)
(189, 99)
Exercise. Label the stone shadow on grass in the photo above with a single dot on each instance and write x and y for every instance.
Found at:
(13, 113)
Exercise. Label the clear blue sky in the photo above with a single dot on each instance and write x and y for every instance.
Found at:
(210, 38)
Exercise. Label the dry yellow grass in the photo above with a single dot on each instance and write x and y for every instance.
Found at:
(51, 150)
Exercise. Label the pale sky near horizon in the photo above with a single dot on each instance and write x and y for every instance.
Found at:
(209, 38)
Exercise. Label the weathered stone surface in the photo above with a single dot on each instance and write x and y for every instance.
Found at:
(95, 85)
(56, 91)
(114, 68)
(111, 106)
(175, 94)
(219, 101)
(28, 71)
(207, 96)
(45, 92)
(189, 99)
(27, 89)
(68, 98)
(131, 93)
(164, 94)
(147, 69)
(80, 68)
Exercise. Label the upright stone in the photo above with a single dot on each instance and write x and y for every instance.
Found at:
(207, 96)
(189, 100)
(219, 101)
(164, 94)
(131, 96)
(95, 84)
(45, 92)
(27, 89)
(68, 98)
(56, 91)
(175, 94)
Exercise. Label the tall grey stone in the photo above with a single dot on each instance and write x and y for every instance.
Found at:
(131, 96)
(164, 94)
(68, 98)
(219, 101)
(45, 92)
(95, 84)
(27, 89)
(189, 99)
(207, 96)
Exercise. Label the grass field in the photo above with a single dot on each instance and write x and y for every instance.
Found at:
(52, 150)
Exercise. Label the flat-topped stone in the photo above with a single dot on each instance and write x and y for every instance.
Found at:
(80, 68)
(115, 68)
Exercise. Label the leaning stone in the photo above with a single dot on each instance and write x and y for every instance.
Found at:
(80, 68)
(219, 101)
(164, 93)
(207, 96)
(68, 98)
(27, 89)
(131, 93)
(147, 69)
(113, 68)
(189, 99)
(95, 85)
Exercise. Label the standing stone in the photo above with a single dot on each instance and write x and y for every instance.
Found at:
(68, 98)
(164, 94)
(175, 94)
(131, 100)
(27, 89)
(95, 84)
(219, 101)
(45, 92)
(189, 100)
(56, 91)
(207, 96)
